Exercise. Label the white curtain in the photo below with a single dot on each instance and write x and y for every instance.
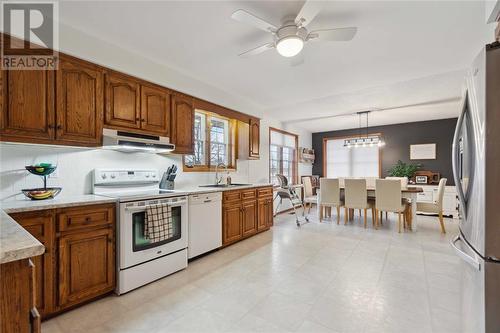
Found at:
(351, 162)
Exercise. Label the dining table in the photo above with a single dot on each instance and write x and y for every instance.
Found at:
(408, 192)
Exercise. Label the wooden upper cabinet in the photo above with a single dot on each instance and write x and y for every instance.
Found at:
(27, 112)
(123, 107)
(182, 124)
(254, 144)
(155, 110)
(79, 102)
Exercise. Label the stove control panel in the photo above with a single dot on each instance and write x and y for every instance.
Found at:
(128, 176)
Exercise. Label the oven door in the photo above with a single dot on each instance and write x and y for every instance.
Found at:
(135, 248)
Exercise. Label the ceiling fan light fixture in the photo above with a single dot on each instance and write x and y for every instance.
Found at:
(290, 46)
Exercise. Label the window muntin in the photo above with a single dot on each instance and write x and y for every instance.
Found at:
(282, 155)
(214, 142)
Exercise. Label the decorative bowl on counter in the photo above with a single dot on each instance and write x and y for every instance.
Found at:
(41, 170)
(42, 193)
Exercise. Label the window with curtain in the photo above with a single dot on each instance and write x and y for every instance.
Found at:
(342, 161)
(282, 155)
(214, 142)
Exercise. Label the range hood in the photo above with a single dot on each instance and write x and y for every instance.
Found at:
(130, 142)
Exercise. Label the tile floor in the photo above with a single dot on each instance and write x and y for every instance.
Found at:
(319, 278)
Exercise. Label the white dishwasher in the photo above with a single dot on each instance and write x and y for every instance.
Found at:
(205, 223)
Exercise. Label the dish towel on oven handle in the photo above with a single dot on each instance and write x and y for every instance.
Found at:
(158, 226)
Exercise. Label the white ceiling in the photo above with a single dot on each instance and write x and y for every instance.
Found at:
(405, 52)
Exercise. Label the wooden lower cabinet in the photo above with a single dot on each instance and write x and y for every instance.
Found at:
(265, 211)
(41, 225)
(18, 313)
(245, 213)
(79, 259)
(86, 265)
(249, 218)
(231, 223)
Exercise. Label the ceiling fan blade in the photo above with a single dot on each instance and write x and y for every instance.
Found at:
(257, 50)
(245, 17)
(308, 12)
(334, 35)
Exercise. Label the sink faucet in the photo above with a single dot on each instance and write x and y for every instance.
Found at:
(218, 179)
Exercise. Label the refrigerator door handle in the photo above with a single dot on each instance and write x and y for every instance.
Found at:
(467, 258)
(455, 158)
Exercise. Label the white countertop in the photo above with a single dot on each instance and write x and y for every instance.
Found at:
(15, 242)
(25, 205)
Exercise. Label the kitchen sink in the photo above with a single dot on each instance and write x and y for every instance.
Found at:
(225, 185)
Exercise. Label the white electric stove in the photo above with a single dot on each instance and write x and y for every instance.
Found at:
(140, 261)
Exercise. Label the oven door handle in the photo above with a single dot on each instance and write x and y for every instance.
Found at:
(139, 208)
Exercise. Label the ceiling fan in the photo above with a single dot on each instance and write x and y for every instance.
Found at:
(289, 38)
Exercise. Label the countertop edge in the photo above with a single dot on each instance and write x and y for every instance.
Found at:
(15, 242)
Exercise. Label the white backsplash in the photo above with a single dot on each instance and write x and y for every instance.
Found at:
(75, 165)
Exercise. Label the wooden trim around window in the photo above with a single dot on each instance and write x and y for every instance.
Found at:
(295, 165)
(351, 137)
(233, 155)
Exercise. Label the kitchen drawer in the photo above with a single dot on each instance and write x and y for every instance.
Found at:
(248, 194)
(425, 196)
(265, 192)
(231, 196)
(85, 216)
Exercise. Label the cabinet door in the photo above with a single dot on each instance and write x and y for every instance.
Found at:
(265, 214)
(79, 103)
(15, 301)
(231, 218)
(86, 265)
(41, 226)
(155, 110)
(27, 112)
(270, 213)
(123, 109)
(182, 124)
(249, 220)
(254, 149)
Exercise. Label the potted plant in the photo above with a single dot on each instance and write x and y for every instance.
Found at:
(402, 169)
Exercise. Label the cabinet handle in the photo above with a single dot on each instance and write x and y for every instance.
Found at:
(143, 120)
(51, 126)
(137, 119)
(59, 127)
(87, 220)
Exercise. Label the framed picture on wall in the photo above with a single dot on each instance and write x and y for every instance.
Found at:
(423, 151)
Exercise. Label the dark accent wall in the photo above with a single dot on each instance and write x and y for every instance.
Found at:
(398, 139)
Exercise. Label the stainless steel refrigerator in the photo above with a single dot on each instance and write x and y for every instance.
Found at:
(476, 169)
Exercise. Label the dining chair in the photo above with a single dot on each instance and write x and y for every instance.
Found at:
(389, 199)
(404, 180)
(356, 197)
(309, 199)
(329, 196)
(437, 206)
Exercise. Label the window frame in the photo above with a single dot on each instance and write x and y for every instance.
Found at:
(295, 161)
(354, 136)
(232, 142)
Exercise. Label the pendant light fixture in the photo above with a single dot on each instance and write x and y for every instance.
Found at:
(364, 140)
